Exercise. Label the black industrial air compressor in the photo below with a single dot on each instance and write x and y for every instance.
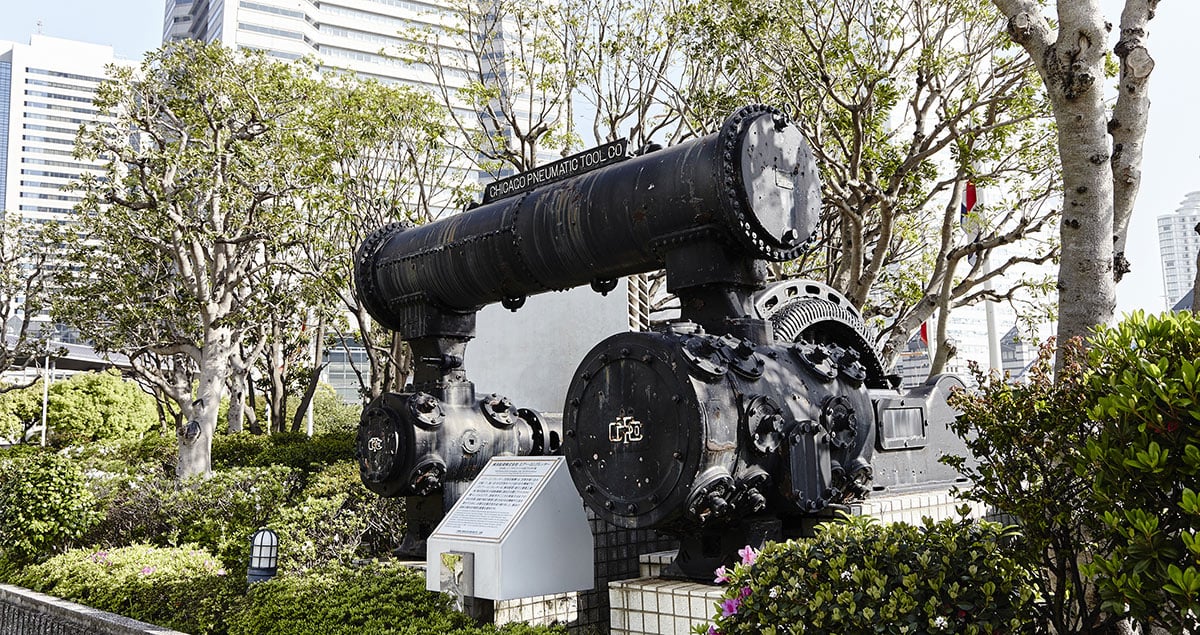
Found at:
(759, 409)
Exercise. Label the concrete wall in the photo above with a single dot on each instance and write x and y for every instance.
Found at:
(30, 613)
(530, 356)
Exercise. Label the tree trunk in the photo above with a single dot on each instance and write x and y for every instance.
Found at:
(237, 398)
(277, 381)
(252, 411)
(314, 379)
(1086, 286)
(195, 436)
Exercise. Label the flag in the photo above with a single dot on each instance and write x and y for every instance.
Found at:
(925, 333)
(971, 226)
(968, 204)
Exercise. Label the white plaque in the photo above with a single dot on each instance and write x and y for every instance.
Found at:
(497, 497)
(524, 526)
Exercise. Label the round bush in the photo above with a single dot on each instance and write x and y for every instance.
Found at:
(93, 406)
(44, 504)
(859, 576)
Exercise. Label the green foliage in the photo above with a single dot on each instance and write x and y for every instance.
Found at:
(1146, 389)
(44, 505)
(84, 408)
(222, 510)
(237, 450)
(1027, 441)
(94, 406)
(858, 576)
(218, 512)
(337, 518)
(332, 414)
(20, 408)
(183, 588)
(304, 453)
(335, 600)
(291, 449)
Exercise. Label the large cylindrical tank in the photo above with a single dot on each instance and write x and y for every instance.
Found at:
(752, 186)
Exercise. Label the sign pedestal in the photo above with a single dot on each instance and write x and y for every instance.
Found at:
(519, 531)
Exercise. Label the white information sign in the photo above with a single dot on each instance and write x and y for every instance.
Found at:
(499, 495)
(519, 531)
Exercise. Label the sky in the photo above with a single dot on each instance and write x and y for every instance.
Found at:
(1170, 170)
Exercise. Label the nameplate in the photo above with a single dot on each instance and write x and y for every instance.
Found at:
(573, 165)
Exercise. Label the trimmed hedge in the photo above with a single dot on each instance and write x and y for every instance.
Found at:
(184, 588)
(380, 599)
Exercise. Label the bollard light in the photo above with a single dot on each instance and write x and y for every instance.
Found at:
(264, 555)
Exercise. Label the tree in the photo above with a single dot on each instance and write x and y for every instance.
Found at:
(204, 149)
(25, 254)
(500, 71)
(1101, 155)
(904, 102)
(389, 161)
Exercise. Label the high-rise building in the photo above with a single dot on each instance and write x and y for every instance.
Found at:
(1179, 243)
(363, 36)
(46, 93)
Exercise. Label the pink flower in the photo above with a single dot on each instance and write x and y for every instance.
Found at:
(745, 593)
(748, 554)
(712, 630)
(722, 575)
(730, 607)
(147, 570)
(220, 572)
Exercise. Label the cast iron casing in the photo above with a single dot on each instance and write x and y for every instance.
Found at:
(411, 444)
(680, 429)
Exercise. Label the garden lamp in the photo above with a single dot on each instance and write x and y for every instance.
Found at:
(264, 555)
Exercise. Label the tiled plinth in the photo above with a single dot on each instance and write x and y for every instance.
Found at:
(910, 508)
(561, 608)
(651, 605)
(645, 606)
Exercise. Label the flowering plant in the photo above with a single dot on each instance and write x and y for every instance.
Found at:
(858, 576)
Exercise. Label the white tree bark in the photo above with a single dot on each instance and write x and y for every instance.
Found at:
(1100, 158)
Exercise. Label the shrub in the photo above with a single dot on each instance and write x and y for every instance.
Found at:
(152, 454)
(858, 576)
(336, 519)
(220, 511)
(332, 414)
(1028, 441)
(93, 406)
(183, 588)
(19, 408)
(299, 452)
(44, 504)
(237, 450)
(1146, 386)
(335, 600)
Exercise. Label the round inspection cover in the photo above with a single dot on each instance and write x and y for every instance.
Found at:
(634, 431)
(380, 445)
(780, 181)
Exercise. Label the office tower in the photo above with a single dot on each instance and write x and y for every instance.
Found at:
(46, 93)
(1179, 243)
(356, 35)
